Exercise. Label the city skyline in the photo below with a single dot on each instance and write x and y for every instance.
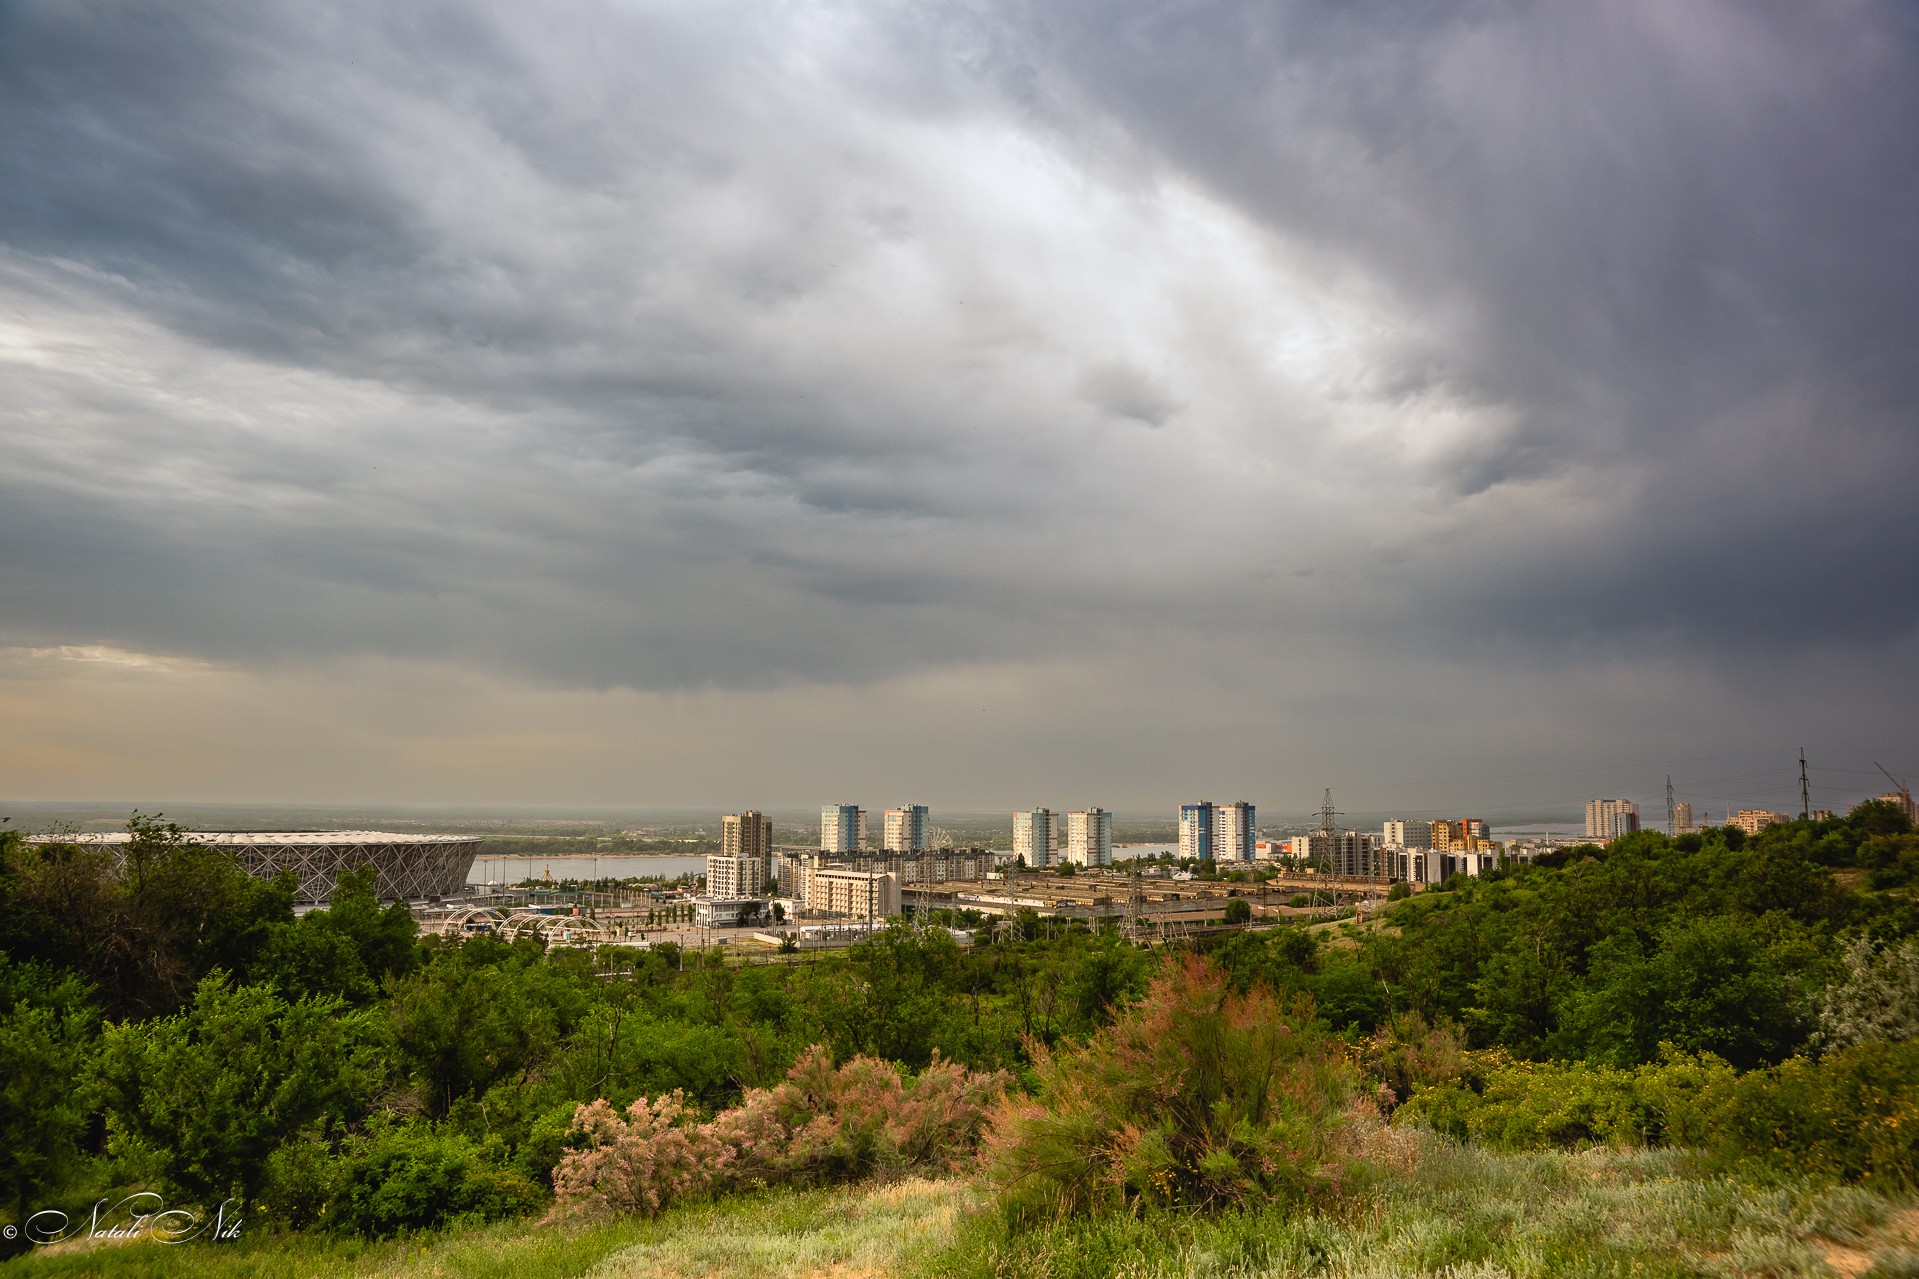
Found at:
(1775, 788)
(1463, 409)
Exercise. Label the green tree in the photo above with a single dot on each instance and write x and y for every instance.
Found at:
(350, 949)
(1712, 984)
(211, 1092)
(485, 1012)
(143, 924)
(1238, 911)
(46, 1041)
(1879, 999)
(386, 939)
(1105, 975)
(1350, 994)
(900, 1000)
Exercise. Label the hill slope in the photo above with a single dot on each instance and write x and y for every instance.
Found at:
(1459, 1212)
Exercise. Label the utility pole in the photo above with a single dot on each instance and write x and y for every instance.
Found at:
(1671, 820)
(1805, 788)
(1135, 901)
(1899, 788)
(1328, 823)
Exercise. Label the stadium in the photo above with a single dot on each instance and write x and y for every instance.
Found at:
(407, 867)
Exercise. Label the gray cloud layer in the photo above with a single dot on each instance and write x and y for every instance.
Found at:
(732, 346)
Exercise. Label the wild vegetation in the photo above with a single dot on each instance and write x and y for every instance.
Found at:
(339, 1073)
(1727, 1021)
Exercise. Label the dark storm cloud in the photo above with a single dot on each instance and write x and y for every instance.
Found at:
(1667, 238)
(713, 344)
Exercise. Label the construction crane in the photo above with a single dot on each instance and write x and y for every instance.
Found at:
(1904, 791)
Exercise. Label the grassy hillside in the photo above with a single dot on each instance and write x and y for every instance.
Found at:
(1453, 1211)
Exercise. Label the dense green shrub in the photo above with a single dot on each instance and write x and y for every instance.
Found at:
(1199, 1097)
(209, 1095)
(394, 1179)
(349, 949)
(1520, 1105)
(405, 1178)
(1407, 1053)
(1852, 1115)
(46, 1044)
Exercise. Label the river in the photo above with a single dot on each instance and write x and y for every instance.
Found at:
(512, 870)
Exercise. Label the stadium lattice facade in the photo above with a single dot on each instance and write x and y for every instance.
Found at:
(406, 867)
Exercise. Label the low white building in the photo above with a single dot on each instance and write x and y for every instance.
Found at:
(730, 912)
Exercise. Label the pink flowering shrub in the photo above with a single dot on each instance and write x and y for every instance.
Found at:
(817, 1125)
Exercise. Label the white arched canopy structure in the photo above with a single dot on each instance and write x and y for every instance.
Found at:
(554, 930)
(459, 923)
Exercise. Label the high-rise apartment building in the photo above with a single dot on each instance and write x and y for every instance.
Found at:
(1682, 819)
(1233, 832)
(842, 828)
(1089, 838)
(748, 834)
(746, 855)
(1033, 837)
(1401, 833)
(1352, 855)
(1754, 820)
(1196, 830)
(906, 829)
(1608, 819)
(1460, 834)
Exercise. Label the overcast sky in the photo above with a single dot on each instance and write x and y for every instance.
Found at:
(1462, 405)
